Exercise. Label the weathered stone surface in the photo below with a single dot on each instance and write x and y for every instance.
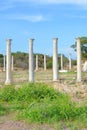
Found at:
(85, 67)
(55, 59)
(31, 61)
(8, 63)
(79, 67)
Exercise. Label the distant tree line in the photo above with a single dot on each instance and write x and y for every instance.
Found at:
(21, 60)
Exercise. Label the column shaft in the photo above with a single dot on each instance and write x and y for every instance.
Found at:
(70, 62)
(4, 63)
(45, 66)
(78, 60)
(31, 61)
(61, 62)
(37, 63)
(12, 63)
(55, 60)
(8, 63)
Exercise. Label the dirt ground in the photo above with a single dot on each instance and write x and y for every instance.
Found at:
(8, 122)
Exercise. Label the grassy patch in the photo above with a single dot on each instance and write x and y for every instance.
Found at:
(3, 110)
(42, 104)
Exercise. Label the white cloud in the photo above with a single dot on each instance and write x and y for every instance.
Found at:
(6, 4)
(54, 1)
(51, 1)
(31, 18)
(80, 3)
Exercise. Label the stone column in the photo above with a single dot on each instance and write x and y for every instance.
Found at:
(12, 63)
(70, 62)
(31, 61)
(8, 63)
(55, 59)
(61, 62)
(45, 66)
(4, 63)
(78, 60)
(37, 63)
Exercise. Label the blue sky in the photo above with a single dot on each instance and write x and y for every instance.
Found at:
(42, 20)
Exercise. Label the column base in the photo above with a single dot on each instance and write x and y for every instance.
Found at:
(79, 80)
(55, 80)
(8, 82)
(31, 80)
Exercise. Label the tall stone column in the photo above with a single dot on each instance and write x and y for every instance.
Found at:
(37, 63)
(61, 62)
(78, 60)
(55, 59)
(70, 62)
(12, 63)
(45, 66)
(8, 63)
(4, 63)
(31, 61)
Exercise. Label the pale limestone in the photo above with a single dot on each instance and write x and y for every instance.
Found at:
(45, 66)
(31, 61)
(37, 67)
(79, 78)
(55, 59)
(61, 62)
(8, 63)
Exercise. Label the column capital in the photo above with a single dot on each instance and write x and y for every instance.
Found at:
(78, 39)
(31, 40)
(55, 40)
(8, 40)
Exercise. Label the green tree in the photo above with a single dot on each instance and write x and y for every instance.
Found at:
(83, 47)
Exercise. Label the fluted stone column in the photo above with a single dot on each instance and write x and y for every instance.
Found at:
(61, 62)
(31, 61)
(55, 59)
(37, 63)
(45, 66)
(4, 63)
(78, 60)
(8, 63)
(12, 63)
(70, 62)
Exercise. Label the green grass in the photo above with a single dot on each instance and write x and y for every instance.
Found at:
(39, 103)
(3, 110)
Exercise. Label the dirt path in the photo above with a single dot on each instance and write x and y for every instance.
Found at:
(20, 125)
(9, 123)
